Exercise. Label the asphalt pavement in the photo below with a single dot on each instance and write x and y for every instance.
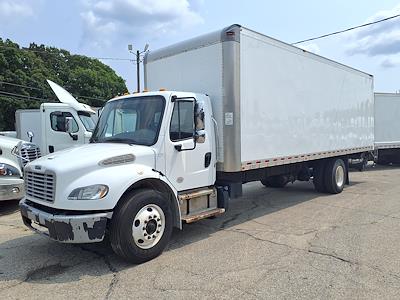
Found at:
(291, 243)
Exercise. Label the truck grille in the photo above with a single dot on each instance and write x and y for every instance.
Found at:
(40, 186)
(29, 152)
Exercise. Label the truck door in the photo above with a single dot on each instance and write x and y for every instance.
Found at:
(189, 163)
(55, 133)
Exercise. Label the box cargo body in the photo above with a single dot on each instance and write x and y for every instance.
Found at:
(387, 128)
(273, 103)
(29, 120)
(387, 120)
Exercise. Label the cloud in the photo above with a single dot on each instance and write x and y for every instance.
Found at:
(311, 47)
(378, 39)
(15, 9)
(390, 62)
(107, 21)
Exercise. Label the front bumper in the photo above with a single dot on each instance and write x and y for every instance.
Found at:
(12, 189)
(79, 228)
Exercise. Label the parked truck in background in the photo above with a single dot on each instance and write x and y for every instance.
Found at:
(240, 107)
(49, 122)
(14, 155)
(387, 128)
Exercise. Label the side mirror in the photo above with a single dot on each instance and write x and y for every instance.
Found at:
(69, 125)
(30, 135)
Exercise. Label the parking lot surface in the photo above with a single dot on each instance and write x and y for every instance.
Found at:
(272, 243)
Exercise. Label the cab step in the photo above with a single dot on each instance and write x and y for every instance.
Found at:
(195, 194)
(203, 215)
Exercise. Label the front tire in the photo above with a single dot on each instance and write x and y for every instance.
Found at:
(141, 226)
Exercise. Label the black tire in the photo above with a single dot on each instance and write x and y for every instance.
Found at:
(319, 177)
(278, 181)
(122, 222)
(333, 183)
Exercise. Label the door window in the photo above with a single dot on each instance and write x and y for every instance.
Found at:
(182, 121)
(58, 121)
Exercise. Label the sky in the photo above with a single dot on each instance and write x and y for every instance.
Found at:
(104, 28)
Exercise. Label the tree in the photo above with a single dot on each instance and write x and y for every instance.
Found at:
(23, 74)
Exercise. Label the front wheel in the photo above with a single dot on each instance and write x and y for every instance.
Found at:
(141, 226)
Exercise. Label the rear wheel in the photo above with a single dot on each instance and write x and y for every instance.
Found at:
(141, 226)
(335, 176)
(278, 181)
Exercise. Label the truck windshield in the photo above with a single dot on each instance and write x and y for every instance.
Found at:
(133, 120)
(87, 121)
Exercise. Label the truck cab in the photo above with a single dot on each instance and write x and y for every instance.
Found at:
(151, 164)
(50, 122)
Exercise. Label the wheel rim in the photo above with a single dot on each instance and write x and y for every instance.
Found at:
(339, 176)
(148, 226)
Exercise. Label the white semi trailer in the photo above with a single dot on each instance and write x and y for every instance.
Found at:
(387, 128)
(240, 107)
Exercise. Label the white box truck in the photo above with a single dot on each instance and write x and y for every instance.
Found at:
(387, 128)
(49, 123)
(240, 107)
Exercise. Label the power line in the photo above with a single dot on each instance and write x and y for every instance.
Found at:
(58, 54)
(345, 30)
(40, 89)
(23, 96)
(20, 85)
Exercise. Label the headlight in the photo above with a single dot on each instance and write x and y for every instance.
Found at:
(8, 170)
(91, 192)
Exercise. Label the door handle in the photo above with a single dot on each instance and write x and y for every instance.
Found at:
(207, 159)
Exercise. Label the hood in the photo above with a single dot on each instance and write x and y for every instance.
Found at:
(8, 142)
(87, 158)
(65, 97)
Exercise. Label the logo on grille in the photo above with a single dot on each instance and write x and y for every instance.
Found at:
(38, 167)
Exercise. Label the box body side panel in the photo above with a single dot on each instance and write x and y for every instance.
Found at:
(293, 102)
(387, 120)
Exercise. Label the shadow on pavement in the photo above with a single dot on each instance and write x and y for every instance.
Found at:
(8, 207)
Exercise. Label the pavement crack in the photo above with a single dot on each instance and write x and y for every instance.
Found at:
(261, 239)
(111, 268)
(333, 256)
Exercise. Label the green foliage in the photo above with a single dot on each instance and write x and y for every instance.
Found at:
(89, 80)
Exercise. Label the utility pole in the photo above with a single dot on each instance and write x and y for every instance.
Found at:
(139, 56)
(138, 70)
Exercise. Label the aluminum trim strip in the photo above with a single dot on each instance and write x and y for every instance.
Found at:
(278, 161)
